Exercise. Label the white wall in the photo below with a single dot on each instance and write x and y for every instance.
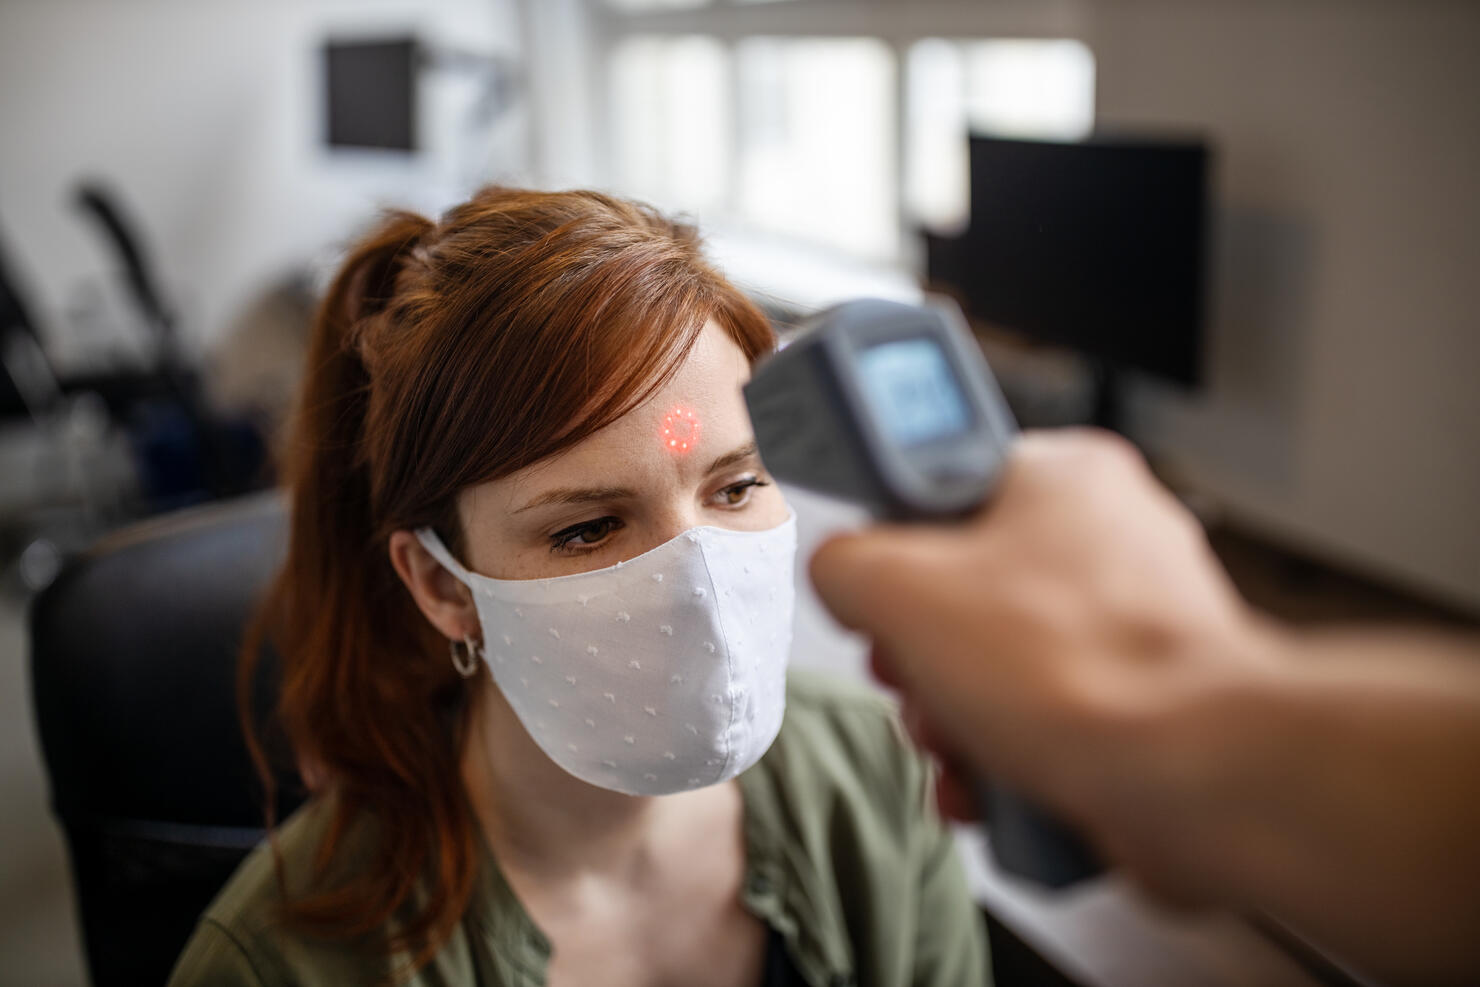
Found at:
(1344, 405)
(206, 117)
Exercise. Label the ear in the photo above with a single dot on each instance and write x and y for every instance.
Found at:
(442, 599)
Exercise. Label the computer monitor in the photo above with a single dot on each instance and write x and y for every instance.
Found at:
(370, 94)
(1097, 245)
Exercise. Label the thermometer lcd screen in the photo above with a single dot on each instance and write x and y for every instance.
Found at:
(914, 394)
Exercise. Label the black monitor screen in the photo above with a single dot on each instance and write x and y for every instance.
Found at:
(371, 94)
(1096, 245)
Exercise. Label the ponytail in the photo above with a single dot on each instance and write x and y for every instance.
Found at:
(351, 643)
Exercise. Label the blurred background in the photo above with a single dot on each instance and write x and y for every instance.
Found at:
(1245, 233)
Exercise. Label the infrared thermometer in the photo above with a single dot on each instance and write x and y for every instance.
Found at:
(892, 407)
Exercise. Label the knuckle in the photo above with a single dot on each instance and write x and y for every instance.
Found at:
(1081, 453)
(1114, 450)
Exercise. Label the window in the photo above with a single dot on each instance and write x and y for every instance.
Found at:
(791, 136)
(671, 122)
(1042, 89)
(646, 6)
(802, 136)
(817, 139)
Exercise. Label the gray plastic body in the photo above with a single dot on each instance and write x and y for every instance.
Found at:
(893, 407)
(819, 427)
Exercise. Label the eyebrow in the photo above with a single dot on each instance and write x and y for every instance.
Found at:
(578, 495)
(739, 455)
(591, 495)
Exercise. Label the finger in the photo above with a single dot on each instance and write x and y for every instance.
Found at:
(846, 570)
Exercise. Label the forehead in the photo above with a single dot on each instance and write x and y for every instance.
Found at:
(701, 402)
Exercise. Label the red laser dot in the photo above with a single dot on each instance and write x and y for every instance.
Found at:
(681, 430)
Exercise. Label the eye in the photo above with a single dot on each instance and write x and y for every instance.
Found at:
(738, 494)
(583, 537)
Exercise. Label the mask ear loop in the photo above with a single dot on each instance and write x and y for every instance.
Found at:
(468, 660)
(433, 544)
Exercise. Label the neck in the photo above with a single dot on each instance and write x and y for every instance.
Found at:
(540, 819)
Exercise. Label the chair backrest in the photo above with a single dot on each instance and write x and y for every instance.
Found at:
(18, 335)
(133, 667)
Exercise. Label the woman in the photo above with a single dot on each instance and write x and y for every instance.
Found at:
(522, 450)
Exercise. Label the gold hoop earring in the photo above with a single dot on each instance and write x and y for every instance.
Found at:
(467, 662)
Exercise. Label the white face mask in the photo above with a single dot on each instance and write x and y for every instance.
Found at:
(660, 674)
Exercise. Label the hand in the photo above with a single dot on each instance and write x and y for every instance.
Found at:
(1035, 642)
(1078, 642)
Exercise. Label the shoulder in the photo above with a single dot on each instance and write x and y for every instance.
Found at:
(837, 718)
(248, 904)
(841, 750)
(215, 955)
(241, 938)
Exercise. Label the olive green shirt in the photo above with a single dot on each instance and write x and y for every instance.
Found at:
(846, 860)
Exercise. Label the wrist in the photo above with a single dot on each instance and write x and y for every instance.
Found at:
(1184, 751)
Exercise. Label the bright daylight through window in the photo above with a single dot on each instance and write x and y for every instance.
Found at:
(802, 137)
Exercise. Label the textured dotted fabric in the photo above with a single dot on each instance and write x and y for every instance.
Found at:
(660, 674)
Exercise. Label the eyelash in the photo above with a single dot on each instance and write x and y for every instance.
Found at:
(563, 542)
(560, 542)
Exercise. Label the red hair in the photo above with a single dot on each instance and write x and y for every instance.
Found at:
(445, 355)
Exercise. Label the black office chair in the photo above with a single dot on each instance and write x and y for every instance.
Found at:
(133, 667)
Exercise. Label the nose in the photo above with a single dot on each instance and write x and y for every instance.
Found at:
(671, 522)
